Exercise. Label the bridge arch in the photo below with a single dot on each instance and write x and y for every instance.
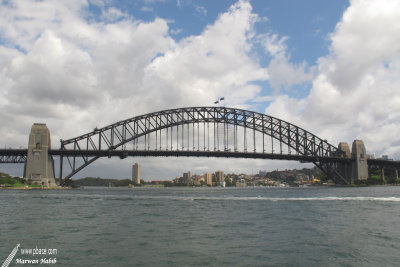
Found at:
(180, 127)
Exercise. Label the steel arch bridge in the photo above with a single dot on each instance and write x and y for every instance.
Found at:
(201, 131)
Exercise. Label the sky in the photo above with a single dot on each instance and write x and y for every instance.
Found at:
(331, 67)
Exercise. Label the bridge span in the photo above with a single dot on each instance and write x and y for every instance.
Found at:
(199, 132)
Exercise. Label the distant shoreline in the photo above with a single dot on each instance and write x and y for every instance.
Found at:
(34, 188)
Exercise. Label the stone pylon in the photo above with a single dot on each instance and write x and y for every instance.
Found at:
(360, 165)
(39, 166)
(356, 169)
(345, 168)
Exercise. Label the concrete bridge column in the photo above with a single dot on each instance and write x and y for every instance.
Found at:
(345, 168)
(360, 165)
(396, 173)
(39, 166)
(357, 169)
(382, 176)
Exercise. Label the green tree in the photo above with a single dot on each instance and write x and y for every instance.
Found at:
(228, 181)
(7, 180)
(168, 183)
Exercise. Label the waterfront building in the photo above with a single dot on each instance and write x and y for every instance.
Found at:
(241, 183)
(208, 178)
(186, 175)
(136, 173)
(219, 175)
(187, 178)
(262, 173)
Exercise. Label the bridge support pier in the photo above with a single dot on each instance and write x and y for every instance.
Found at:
(39, 166)
(357, 169)
(382, 176)
(345, 169)
(360, 165)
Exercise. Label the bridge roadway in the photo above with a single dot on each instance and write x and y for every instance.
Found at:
(191, 153)
(12, 155)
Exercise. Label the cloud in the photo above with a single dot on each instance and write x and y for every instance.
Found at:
(147, 8)
(74, 73)
(273, 44)
(200, 68)
(53, 71)
(202, 11)
(21, 22)
(149, 5)
(112, 14)
(355, 92)
(283, 74)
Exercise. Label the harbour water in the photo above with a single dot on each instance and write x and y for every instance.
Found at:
(203, 226)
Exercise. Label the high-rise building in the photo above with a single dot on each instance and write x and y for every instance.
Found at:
(186, 178)
(219, 175)
(136, 173)
(208, 178)
(186, 175)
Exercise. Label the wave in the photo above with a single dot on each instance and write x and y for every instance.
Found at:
(390, 199)
(205, 198)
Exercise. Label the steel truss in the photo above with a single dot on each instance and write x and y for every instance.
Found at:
(207, 129)
(13, 155)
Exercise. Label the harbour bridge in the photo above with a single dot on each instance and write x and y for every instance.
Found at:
(194, 132)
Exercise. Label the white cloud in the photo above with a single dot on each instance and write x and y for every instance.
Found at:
(215, 63)
(356, 92)
(75, 74)
(147, 8)
(273, 44)
(283, 74)
(21, 22)
(113, 14)
(202, 11)
(53, 71)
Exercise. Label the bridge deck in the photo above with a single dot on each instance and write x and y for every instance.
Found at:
(12, 153)
(176, 153)
(189, 153)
